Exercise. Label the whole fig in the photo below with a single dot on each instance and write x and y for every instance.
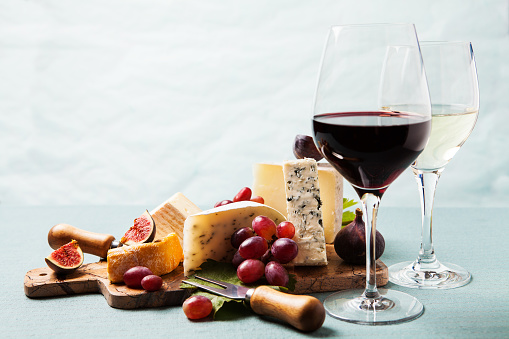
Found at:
(304, 147)
(350, 241)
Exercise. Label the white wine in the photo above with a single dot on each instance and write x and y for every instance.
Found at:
(450, 128)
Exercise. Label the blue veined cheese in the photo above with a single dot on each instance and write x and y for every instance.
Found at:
(207, 234)
(269, 183)
(303, 206)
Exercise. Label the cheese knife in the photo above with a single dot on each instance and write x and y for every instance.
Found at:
(303, 312)
(90, 242)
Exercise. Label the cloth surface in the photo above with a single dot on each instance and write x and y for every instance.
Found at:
(472, 238)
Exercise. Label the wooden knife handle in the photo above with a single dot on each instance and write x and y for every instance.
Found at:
(90, 242)
(303, 312)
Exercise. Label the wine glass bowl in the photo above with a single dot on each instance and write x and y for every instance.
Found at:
(366, 71)
(452, 79)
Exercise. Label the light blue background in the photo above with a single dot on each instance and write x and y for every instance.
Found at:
(127, 102)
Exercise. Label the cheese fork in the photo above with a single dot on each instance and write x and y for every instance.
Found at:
(303, 312)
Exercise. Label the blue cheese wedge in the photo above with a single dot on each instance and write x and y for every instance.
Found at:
(207, 234)
(269, 183)
(304, 211)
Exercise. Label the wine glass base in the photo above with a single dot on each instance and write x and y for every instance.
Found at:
(391, 307)
(446, 276)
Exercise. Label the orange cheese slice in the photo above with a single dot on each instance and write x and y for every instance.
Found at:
(160, 257)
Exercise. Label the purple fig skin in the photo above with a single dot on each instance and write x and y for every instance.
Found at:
(350, 242)
(304, 147)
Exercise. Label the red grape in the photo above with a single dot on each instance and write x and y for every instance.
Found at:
(284, 250)
(285, 230)
(134, 275)
(240, 235)
(222, 203)
(151, 282)
(250, 270)
(253, 248)
(258, 199)
(243, 195)
(197, 307)
(237, 259)
(264, 227)
(276, 274)
(267, 257)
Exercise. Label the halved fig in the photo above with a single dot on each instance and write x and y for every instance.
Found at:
(66, 259)
(143, 230)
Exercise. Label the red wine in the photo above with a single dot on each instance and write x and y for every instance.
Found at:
(371, 149)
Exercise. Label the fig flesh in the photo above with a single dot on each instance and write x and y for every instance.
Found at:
(304, 147)
(350, 242)
(66, 259)
(143, 230)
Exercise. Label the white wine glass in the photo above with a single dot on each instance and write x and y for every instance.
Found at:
(369, 144)
(452, 80)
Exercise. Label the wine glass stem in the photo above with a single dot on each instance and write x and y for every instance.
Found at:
(427, 182)
(370, 203)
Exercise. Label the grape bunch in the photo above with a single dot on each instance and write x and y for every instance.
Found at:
(244, 194)
(263, 249)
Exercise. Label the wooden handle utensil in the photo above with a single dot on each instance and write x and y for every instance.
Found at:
(90, 242)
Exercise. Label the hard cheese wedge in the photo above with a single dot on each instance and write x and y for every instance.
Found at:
(269, 183)
(170, 215)
(160, 257)
(304, 211)
(207, 234)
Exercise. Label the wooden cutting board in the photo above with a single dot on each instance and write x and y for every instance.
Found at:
(92, 278)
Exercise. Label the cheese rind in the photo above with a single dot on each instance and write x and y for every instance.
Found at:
(207, 234)
(304, 211)
(170, 215)
(269, 183)
(160, 257)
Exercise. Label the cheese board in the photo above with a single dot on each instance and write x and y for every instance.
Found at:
(92, 278)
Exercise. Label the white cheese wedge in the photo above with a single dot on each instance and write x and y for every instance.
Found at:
(207, 234)
(269, 183)
(304, 211)
(170, 216)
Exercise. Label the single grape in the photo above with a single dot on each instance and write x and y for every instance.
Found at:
(240, 235)
(253, 248)
(197, 307)
(243, 195)
(258, 199)
(222, 203)
(284, 250)
(151, 282)
(134, 275)
(276, 274)
(250, 270)
(264, 227)
(285, 230)
(237, 259)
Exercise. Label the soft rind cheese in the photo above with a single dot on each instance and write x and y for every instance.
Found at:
(160, 257)
(170, 215)
(207, 234)
(304, 211)
(269, 183)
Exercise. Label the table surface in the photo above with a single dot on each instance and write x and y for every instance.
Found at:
(473, 238)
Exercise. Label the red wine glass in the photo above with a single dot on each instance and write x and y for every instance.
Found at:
(365, 70)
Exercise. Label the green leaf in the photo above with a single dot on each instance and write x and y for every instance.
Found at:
(225, 272)
(348, 216)
(348, 203)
